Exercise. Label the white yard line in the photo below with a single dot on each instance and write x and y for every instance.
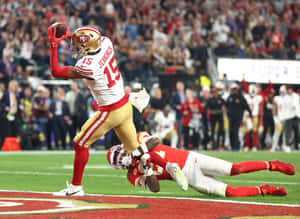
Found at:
(56, 174)
(7, 153)
(259, 181)
(118, 176)
(180, 198)
(91, 166)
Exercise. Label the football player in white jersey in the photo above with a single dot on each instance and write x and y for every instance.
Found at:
(252, 125)
(98, 67)
(165, 125)
(280, 114)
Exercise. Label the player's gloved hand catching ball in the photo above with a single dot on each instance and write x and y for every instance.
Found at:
(57, 32)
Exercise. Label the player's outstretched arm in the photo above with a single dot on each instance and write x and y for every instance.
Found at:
(57, 71)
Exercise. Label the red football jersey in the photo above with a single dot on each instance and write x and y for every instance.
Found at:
(169, 154)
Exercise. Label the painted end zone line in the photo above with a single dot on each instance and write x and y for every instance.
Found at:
(179, 198)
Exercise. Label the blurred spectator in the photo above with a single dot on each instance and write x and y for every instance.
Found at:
(10, 103)
(291, 120)
(215, 108)
(192, 111)
(78, 108)
(3, 42)
(7, 68)
(200, 56)
(25, 105)
(31, 138)
(177, 99)
(60, 114)
(132, 29)
(204, 97)
(40, 112)
(3, 119)
(276, 37)
(157, 102)
(236, 105)
(165, 126)
(221, 31)
(268, 118)
(259, 30)
(75, 21)
(293, 33)
(279, 115)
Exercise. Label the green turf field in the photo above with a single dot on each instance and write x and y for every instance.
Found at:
(48, 172)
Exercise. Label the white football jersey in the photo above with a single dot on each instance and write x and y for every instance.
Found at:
(105, 83)
(165, 123)
(281, 107)
(254, 103)
(291, 105)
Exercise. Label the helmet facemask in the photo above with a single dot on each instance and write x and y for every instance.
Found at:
(118, 158)
(252, 90)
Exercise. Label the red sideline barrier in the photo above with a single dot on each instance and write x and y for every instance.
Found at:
(11, 144)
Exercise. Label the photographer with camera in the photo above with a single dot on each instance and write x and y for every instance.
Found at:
(40, 107)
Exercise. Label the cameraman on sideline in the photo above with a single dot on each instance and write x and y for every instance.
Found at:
(40, 108)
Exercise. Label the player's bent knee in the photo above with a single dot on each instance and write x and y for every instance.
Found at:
(78, 147)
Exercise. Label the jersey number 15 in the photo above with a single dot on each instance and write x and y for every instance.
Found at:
(111, 71)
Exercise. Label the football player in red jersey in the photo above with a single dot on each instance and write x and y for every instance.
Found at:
(199, 169)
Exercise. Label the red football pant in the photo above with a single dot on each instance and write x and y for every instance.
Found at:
(254, 139)
(241, 191)
(81, 159)
(248, 166)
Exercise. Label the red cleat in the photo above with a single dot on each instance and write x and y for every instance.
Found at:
(277, 165)
(267, 189)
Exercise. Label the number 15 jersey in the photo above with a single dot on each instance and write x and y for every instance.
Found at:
(105, 81)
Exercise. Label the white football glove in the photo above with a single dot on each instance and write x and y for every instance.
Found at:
(146, 165)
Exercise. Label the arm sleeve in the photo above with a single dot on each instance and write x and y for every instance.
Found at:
(266, 91)
(245, 86)
(182, 108)
(200, 107)
(56, 70)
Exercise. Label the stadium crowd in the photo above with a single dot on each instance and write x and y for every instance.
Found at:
(150, 37)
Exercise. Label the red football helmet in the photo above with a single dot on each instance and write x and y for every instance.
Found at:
(118, 158)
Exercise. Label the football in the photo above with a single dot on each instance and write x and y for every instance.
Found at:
(60, 29)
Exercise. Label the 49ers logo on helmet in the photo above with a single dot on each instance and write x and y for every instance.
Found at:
(83, 38)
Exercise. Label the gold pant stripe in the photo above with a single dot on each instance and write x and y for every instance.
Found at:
(103, 116)
(86, 126)
(101, 122)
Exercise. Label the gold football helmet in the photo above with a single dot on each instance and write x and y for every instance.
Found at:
(87, 40)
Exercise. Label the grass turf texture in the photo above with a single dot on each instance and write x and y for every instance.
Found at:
(45, 172)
